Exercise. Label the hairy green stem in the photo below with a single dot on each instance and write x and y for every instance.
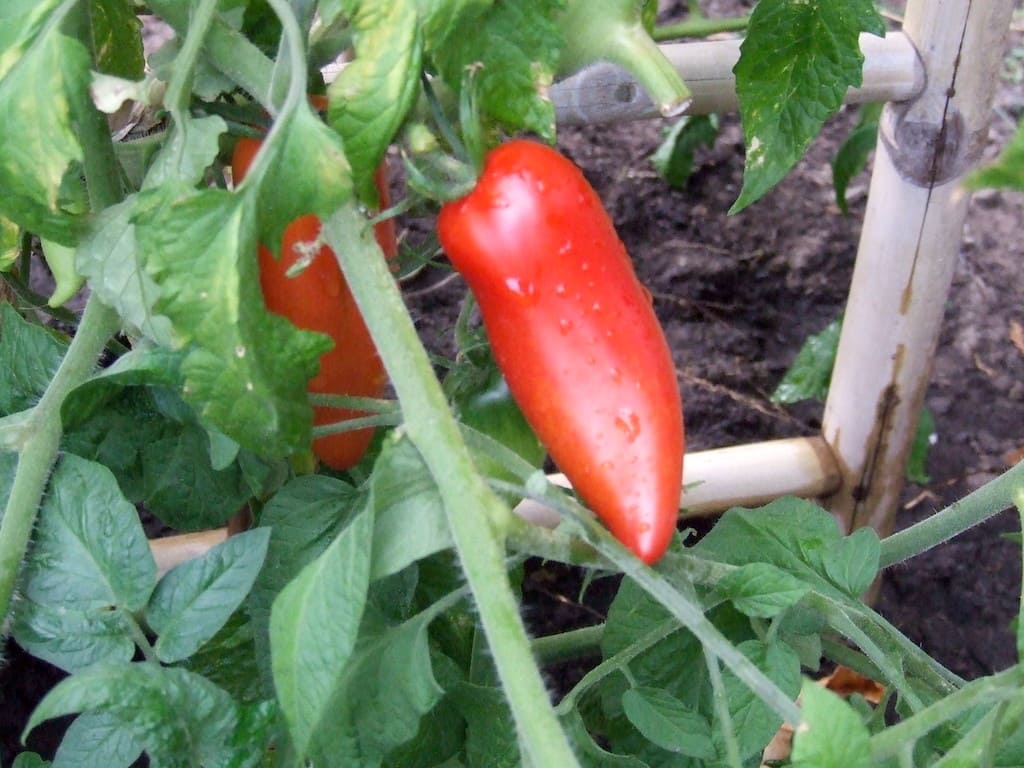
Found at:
(700, 27)
(475, 513)
(720, 699)
(972, 509)
(986, 691)
(574, 644)
(360, 422)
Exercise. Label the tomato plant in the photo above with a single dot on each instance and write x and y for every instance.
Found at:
(370, 613)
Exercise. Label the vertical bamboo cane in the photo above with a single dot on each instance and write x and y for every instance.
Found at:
(908, 251)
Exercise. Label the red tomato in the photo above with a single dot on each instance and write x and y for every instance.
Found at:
(574, 333)
(318, 299)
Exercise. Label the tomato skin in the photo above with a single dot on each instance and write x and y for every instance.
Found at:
(318, 299)
(573, 330)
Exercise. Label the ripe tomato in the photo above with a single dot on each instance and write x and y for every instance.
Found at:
(574, 333)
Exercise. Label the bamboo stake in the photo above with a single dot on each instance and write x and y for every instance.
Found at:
(713, 481)
(604, 93)
(908, 252)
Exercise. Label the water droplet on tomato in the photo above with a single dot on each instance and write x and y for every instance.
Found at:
(584, 266)
(565, 325)
(560, 289)
(629, 423)
(595, 307)
(615, 374)
(524, 289)
(565, 247)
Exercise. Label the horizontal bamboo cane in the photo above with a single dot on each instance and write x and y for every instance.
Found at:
(605, 93)
(742, 475)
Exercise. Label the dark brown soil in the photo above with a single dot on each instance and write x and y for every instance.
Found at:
(737, 296)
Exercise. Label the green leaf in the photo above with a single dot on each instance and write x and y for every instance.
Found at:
(97, 738)
(402, 490)
(387, 687)
(10, 244)
(1007, 172)
(110, 259)
(29, 760)
(798, 537)
(811, 373)
(29, 356)
(761, 590)
(788, 89)
(44, 86)
(151, 442)
(852, 156)
(491, 740)
(194, 600)
(673, 160)
(370, 98)
(924, 438)
(229, 660)
(326, 600)
(853, 564)
(754, 723)
(179, 718)
(589, 753)
(117, 38)
(90, 565)
(245, 370)
(831, 734)
(519, 45)
(669, 723)
(190, 147)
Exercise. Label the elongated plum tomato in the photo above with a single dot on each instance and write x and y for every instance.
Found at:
(318, 299)
(574, 332)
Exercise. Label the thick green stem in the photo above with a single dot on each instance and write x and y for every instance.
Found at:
(700, 27)
(475, 513)
(574, 644)
(972, 509)
(986, 691)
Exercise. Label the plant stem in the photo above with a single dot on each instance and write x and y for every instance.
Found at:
(574, 644)
(972, 509)
(721, 703)
(475, 513)
(988, 690)
(702, 27)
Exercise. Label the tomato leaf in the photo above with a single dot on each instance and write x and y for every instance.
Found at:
(29, 356)
(284, 194)
(97, 738)
(245, 370)
(371, 96)
(852, 156)
(786, 92)
(178, 717)
(1007, 172)
(754, 723)
(388, 686)
(519, 45)
(762, 590)
(669, 723)
(673, 160)
(90, 562)
(191, 146)
(44, 85)
(117, 38)
(325, 600)
(809, 376)
(403, 489)
(831, 734)
(491, 738)
(194, 600)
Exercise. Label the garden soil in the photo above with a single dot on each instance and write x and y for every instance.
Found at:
(738, 295)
